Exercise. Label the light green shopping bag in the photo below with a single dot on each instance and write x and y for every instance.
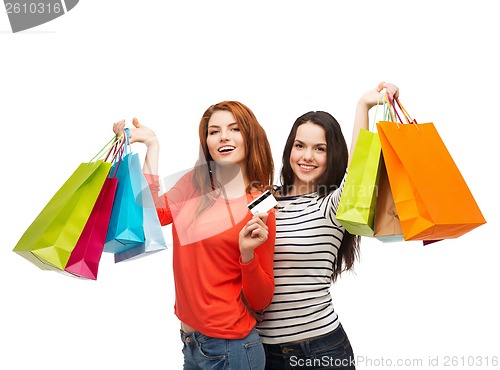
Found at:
(50, 239)
(356, 208)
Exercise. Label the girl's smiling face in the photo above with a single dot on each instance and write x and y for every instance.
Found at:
(308, 157)
(224, 139)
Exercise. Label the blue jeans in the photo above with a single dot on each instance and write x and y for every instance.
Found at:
(329, 351)
(203, 352)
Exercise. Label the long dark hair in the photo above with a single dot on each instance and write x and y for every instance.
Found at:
(337, 156)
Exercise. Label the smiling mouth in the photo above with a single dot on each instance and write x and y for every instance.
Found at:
(307, 167)
(226, 149)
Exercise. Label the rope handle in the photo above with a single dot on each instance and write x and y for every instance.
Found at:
(393, 110)
(389, 114)
(384, 114)
(114, 150)
(104, 152)
(405, 112)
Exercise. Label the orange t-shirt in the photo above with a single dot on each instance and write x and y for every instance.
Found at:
(209, 276)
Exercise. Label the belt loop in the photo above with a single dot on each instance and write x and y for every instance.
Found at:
(286, 350)
(305, 346)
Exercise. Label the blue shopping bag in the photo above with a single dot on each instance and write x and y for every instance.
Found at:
(125, 229)
(153, 232)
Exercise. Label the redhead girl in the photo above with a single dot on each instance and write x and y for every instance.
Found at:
(300, 328)
(222, 255)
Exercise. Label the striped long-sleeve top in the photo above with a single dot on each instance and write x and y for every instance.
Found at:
(308, 237)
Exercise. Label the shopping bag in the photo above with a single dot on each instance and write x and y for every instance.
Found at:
(153, 232)
(432, 198)
(356, 209)
(387, 227)
(85, 257)
(125, 230)
(52, 236)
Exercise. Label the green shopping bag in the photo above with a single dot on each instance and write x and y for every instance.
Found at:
(356, 208)
(50, 239)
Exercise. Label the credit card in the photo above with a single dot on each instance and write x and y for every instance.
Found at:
(263, 203)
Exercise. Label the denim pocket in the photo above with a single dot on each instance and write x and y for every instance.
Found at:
(255, 354)
(212, 348)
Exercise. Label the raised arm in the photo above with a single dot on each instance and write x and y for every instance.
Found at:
(143, 134)
(367, 101)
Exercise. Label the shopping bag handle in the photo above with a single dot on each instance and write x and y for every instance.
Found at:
(393, 110)
(126, 147)
(121, 151)
(117, 149)
(105, 150)
(388, 113)
(405, 112)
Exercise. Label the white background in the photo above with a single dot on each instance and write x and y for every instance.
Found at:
(64, 83)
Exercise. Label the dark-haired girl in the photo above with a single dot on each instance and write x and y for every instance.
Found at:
(300, 328)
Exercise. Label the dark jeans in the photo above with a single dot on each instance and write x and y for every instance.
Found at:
(330, 351)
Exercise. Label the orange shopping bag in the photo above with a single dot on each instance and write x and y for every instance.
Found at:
(431, 197)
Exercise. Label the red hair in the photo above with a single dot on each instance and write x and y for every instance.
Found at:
(259, 166)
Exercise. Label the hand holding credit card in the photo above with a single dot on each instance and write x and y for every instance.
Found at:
(263, 203)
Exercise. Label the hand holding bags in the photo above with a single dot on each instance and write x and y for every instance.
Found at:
(69, 234)
(431, 196)
(125, 229)
(387, 227)
(356, 208)
(136, 229)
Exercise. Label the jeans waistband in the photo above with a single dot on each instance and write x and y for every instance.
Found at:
(307, 345)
